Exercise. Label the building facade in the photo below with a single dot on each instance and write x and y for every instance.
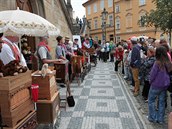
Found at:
(127, 14)
(94, 9)
(55, 11)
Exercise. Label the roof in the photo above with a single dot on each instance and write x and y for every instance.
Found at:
(87, 2)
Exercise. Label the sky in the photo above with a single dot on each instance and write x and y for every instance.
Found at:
(78, 8)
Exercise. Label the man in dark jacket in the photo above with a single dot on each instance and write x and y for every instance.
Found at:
(135, 64)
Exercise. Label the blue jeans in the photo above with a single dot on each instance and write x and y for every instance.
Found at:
(156, 116)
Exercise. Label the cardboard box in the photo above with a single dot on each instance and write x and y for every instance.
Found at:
(48, 110)
(47, 85)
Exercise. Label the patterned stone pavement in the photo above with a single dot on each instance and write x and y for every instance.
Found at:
(102, 102)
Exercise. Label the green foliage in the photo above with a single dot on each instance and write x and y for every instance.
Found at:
(161, 17)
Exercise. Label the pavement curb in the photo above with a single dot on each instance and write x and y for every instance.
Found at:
(142, 116)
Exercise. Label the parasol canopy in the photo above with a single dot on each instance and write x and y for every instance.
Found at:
(25, 23)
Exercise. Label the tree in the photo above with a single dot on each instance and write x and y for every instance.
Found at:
(160, 18)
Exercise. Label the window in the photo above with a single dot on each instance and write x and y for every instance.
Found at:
(96, 38)
(110, 3)
(89, 10)
(89, 24)
(142, 2)
(111, 37)
(128, 4)
(111, 20)
(95, 7)
(129, 20)
(141, 14)
(102, 4)
(95, 24)
(118, 39)
(117, 23)
(117, 9)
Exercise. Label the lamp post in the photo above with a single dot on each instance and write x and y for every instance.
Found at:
(104, 18)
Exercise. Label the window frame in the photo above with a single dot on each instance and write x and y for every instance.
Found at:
(89, 10)
(102, 3)
(142, 2)
(95, 7)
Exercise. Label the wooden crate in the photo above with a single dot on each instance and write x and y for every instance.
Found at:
(12, 83)
(29, 122)
(48, 110)
(47, 85)
(10, 101)
(11, 118)
(61, 71)
(91, 51)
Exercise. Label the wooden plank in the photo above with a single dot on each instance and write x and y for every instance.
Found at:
(12, 82)
(29, 122)
(52, 108)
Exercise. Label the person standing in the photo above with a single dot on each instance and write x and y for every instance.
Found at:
(60, 49)
(135, 64)
(159, 81)
(118, 56)
(69, 50)
(145, 71)
(43, 53)
(10, 51)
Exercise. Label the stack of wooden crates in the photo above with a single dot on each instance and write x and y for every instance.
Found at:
(48, 104)
(16, 107)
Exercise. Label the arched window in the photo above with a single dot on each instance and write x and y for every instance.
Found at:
(141, 14)
(129, 20)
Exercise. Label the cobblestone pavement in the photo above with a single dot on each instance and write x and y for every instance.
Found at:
(102, 102)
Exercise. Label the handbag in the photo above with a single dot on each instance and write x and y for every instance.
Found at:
(71, 101)
(170, 86)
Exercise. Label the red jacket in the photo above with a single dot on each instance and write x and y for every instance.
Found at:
(119, 54)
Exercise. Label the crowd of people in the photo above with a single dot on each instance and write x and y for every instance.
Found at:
(146, 62)
(141, 61)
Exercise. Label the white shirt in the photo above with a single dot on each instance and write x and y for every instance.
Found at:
(7, 54)
(86, 45)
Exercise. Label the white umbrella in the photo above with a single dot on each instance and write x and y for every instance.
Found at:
(25, 23)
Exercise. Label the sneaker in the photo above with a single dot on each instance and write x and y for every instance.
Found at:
(146, 101)
(136, 94)
(125, 77)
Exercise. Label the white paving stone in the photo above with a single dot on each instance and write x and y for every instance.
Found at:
(111, 105)
(101, 92)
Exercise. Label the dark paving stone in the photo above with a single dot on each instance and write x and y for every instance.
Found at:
(122, 106)
(85, 92)
(88, 83)
(75, 123)
(101, 104)
(118, 92)
(115, 83)
(101, 114)
(101, 126)
(66, 114)
(81, 105)
(102, 97)
(102, 91)
(128, 123)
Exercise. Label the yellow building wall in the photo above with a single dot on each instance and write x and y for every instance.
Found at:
(97, 15)
(135, 10)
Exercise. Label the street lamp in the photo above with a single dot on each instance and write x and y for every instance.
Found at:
(104, 18)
